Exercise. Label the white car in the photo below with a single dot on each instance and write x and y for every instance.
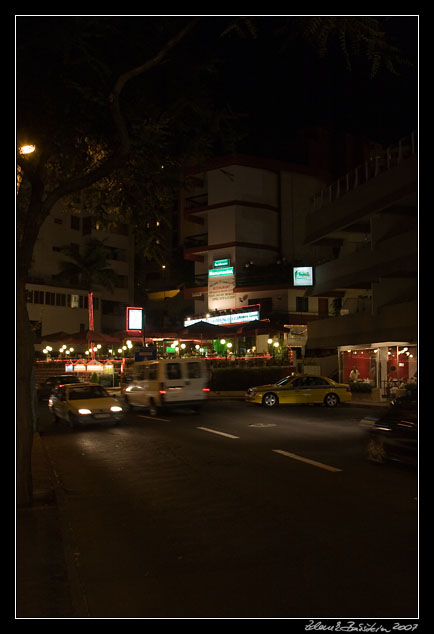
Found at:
(83, 403)
(165, 383)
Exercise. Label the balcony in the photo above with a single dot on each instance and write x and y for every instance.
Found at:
(385, 183)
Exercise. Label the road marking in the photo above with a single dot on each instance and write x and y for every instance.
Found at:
(312, 462)
(165, 420)
(263, 425)
(220, 433)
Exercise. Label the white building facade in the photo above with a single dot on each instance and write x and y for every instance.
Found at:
(243, 225)
(54, 308)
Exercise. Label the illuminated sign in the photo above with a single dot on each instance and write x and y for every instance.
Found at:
(218, 272)
(95, 367)
(235, 318)
(225, 262)
(134, 318)
(302, 275)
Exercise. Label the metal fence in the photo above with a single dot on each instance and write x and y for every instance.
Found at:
(381, 162)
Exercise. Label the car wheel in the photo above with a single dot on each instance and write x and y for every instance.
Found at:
(331, 400)
(54, 416)
(270, 400)
(129, 406)
(153, 409)
(375, 451)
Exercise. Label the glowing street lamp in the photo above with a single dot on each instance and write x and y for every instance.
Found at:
(26, 149)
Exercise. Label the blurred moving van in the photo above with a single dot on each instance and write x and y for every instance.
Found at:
(167, 383)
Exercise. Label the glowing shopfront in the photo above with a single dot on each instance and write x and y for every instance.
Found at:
(381, 365)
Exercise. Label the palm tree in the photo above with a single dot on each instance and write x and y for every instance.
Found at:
(87, 268)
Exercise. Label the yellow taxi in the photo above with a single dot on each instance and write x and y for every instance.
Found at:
(81, 403)
(299, 390)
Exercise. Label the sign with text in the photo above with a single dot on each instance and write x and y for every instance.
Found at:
(221, 292)
(221, 272)
(302, 275)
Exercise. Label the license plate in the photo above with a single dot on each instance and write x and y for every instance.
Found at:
(100, 415)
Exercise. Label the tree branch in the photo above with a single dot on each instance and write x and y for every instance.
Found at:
(120, 154)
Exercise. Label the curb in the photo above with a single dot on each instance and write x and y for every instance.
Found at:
(77, 593)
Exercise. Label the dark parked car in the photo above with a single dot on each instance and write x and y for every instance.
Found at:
(46, 387)
(394, 435)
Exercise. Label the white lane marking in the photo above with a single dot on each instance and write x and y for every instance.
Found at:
(263, 425)
(312, 462)
(220, 433)
(165, 420)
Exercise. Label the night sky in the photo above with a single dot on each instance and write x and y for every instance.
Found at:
(281, 93)
(275, 91)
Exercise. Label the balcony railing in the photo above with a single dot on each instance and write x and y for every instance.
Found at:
(198, 240)
(383, 161)
(194, 202)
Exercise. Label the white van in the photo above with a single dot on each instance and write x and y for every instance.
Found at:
(168, 383)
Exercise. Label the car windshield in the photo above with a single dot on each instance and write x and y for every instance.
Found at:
(86, 391)
(285, 380)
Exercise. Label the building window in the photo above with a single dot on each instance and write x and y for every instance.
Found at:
(75, 223)
(302, 304)
(50, 298)
(60, 299)
(29, 297)
(121, 281)
(38, 297)
(87, 226)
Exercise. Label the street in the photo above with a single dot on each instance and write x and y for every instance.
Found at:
(237, 512)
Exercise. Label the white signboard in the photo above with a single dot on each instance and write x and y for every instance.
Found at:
(234, 318)
(303, 275)
(221, 292)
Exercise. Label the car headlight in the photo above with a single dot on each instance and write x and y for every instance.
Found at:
(84, 411)
(116, 408)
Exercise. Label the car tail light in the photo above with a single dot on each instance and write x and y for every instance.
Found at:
(162, 390)
(206, 389)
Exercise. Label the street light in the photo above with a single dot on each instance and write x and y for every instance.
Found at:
(26, 149)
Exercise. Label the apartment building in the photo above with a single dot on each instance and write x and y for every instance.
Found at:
(243, 227)
(53, 308)
(370, 218)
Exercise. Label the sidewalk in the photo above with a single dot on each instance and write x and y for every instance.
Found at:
(42, 584)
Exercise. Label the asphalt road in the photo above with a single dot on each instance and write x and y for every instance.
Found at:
(236, 513)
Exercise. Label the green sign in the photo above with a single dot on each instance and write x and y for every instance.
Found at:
(229, 270)
(225, 262)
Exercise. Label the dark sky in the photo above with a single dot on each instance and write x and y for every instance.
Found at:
(277, 91)
(282, 93)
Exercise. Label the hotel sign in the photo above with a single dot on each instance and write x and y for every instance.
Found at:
(221, 271)
(302, 275)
